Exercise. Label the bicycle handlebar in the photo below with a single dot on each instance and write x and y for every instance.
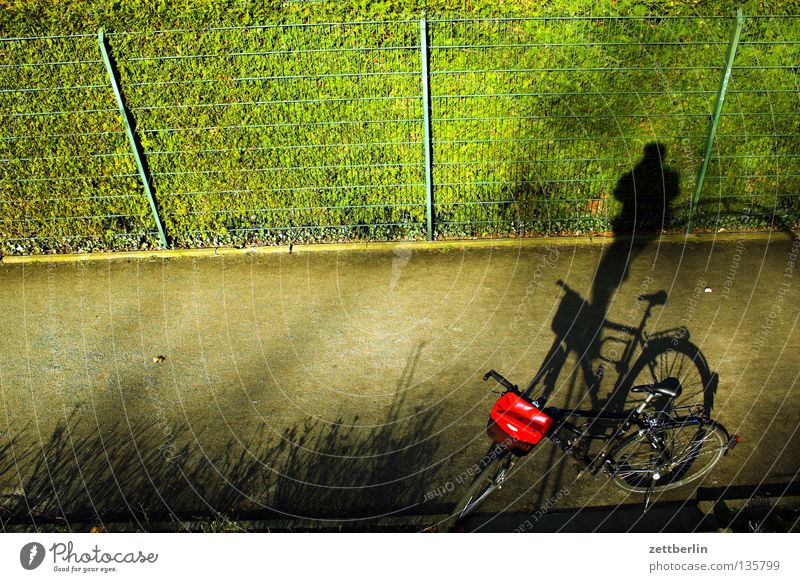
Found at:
(501, 380)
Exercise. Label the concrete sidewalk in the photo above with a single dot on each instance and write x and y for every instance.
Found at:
(346, 385)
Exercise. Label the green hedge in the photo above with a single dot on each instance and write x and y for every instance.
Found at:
(332, 149)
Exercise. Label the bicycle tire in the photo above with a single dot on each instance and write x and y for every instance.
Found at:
(487, 480)
(666, 358)
(692, 449)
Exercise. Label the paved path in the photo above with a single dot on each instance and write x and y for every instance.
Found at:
(326, 385)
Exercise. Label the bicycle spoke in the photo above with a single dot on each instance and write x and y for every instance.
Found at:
(695, 446)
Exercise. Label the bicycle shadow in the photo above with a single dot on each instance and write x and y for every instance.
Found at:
(605, 359)
(97, 467)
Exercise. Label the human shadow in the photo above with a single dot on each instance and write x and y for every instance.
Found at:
(94, 470)
(581, 325)
(646, 195)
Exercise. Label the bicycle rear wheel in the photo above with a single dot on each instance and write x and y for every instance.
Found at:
(490, 478)
(686, 452)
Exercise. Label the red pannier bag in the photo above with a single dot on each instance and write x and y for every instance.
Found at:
(517, 423)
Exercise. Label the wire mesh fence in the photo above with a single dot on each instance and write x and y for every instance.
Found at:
(67, 172)
(309, 132)
(316, 132)
(754, 174)
(565, 110)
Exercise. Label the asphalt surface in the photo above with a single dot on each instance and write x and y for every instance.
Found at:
(346, 386)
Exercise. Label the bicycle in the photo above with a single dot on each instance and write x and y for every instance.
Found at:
(642, 450)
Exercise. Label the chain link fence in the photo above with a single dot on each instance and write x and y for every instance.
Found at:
(319, 132)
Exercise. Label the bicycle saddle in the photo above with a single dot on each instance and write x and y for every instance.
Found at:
(669, 387)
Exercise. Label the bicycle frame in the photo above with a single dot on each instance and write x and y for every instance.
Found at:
(584, 434)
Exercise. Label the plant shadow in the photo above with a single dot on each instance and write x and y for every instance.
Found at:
(97, 470)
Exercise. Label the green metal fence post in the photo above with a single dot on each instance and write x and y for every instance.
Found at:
(714, 123)
(426, 104)
(137, 154)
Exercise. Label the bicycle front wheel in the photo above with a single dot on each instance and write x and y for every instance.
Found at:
(669, 456)
(490, 478)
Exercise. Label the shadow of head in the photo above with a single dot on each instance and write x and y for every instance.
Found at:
(646, 193)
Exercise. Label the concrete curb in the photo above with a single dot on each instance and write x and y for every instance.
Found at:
(390, 246)
(710, 516)
(408, 524)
